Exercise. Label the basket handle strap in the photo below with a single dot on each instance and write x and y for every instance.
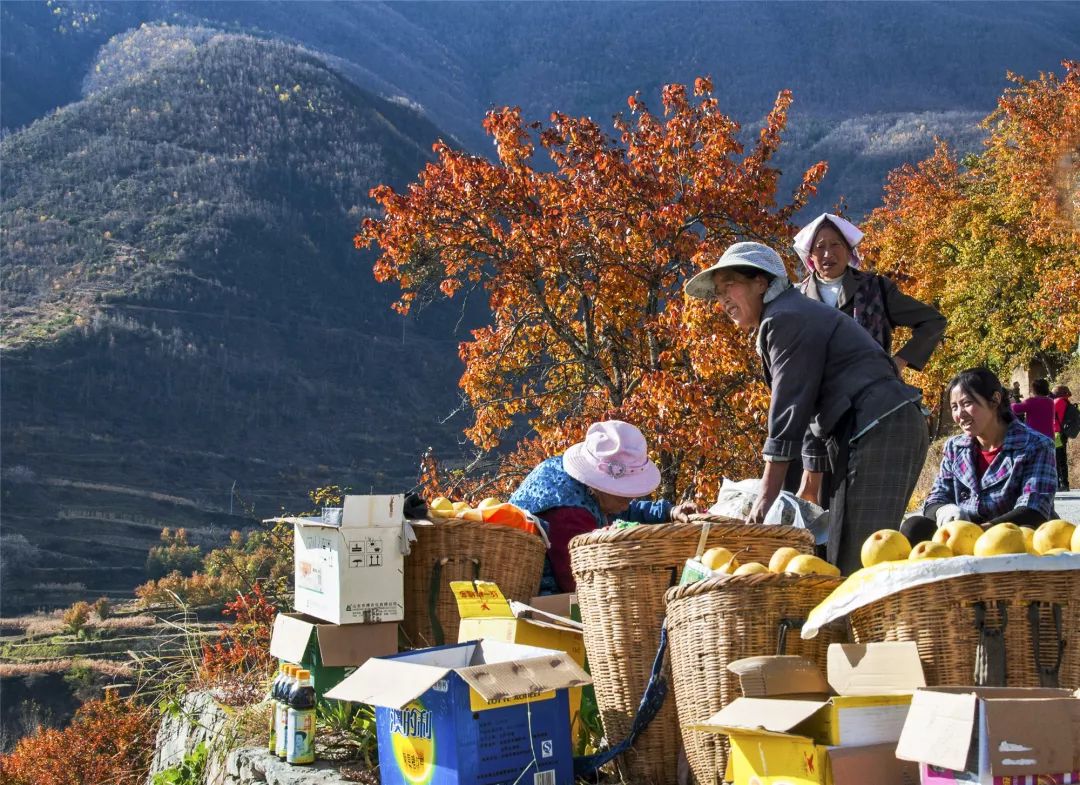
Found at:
(1048, 674)
(433, 595)
(990, 661)
(782, 628)
(703, 538)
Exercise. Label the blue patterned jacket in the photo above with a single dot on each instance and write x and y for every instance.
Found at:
(1024, 474)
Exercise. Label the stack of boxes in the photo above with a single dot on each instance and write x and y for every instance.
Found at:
(349, 574)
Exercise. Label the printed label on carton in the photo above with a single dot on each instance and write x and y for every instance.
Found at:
(367, 552)
(477, 702)
(309, 576)
(412, 739)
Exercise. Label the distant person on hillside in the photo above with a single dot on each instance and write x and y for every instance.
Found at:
(827, 246)
(1066, 426)
(1038, 410)
(996, 470)
(1016, 394)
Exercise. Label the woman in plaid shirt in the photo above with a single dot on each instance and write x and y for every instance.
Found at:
(996, 470)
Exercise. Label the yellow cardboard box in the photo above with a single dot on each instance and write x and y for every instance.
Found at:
(487, 615)
(844, 739)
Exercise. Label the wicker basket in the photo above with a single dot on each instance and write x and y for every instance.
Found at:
(456, 550)
(714, 622)
(622, 575)
(1020, 628)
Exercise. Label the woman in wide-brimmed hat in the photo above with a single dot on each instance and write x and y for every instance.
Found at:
(836, 397)
(828, 246)
(594, 481)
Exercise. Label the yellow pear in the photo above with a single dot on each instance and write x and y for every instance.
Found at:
(805, 564)
(781, 558)
(1075, 547)
(751, 568)
(490, 501)
(960, 536)
(441, 506)
(1029, 540)
(720, 560)
(1001, 539)
(459, 506)
(885, 545)
(1056, 551)
(930, 550)
(1053, 534)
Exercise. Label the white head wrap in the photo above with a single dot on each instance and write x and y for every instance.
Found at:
(805, 238)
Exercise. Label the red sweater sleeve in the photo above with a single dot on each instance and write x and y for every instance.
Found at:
(565, 523)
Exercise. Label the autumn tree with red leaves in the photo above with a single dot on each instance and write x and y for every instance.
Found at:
(582, 264)
(994, 238)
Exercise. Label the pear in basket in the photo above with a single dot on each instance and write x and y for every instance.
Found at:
(885, 545)
(960, 536)
(930, 550)
(1075, 546)
(805, 564)
(441, 507)
(720, 560)
(1053, 534)
(781, 558)
(751, 568)
(1029, 539)
(1001, 539)
(1056, 552)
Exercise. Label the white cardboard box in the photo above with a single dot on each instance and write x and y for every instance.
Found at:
(352, 573)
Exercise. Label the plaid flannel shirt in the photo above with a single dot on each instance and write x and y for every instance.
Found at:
(1024, 474)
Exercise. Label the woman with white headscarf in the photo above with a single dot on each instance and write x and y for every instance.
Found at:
(836, 397)
(828, 246)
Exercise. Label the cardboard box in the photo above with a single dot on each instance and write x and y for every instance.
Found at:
(478, 713)
(565, 605)
(354, 572)
(993, 736)
(814, 740)
(330, 651)
(487, 615)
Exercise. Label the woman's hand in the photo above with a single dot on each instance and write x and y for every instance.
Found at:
(760, 508)
(899, 362)
(680, 510)
(772, 481)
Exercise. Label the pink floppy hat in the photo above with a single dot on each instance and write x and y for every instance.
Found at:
(613, 459)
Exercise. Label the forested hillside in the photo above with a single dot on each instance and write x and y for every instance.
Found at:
(184, 308)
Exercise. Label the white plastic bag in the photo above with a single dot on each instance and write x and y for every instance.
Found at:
(736, 499)
(790, 510)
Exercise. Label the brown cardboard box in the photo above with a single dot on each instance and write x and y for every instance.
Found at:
(990, 735)
(330, 651)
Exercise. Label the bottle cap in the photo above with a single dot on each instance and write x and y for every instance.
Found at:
(303, 674)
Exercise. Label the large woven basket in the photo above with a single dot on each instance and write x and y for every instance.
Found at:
(622, 575)
(456, 550)
(1008, 629)
(714, 622)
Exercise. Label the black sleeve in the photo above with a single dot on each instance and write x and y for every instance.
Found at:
(1021, 516)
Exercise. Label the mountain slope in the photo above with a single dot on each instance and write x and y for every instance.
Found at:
(185, 310)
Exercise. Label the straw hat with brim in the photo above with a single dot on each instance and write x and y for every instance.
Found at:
(756, 255)
(613, 459)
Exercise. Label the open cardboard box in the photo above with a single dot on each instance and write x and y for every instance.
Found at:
(352, 572)
(330, 651)
(993, 736)
(487, 615)
(808, 738)
(470, 713)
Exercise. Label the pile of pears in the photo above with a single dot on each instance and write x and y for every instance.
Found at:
(441, 507)
(964, 538)
(785, 560)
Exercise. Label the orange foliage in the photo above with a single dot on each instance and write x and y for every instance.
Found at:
(583, 264)
(994, 239)
(238, 662)
(109, 742)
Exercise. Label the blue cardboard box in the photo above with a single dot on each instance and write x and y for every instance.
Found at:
(476, 713)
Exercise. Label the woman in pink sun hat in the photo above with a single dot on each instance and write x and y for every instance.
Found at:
(593, 482)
